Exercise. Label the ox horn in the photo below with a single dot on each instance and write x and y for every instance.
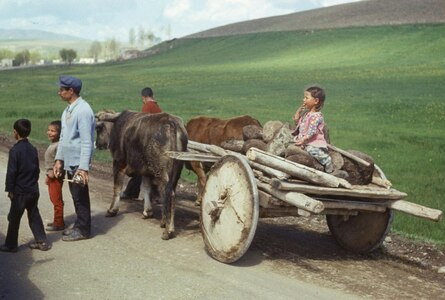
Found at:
(107, 116)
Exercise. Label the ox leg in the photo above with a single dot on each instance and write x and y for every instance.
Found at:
(161, 190)
(166, 212)
(146, 192)
(202, 179)
(171, 225)
(168, 207)
(117, 188)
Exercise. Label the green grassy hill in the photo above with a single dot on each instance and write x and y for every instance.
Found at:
(385, 94)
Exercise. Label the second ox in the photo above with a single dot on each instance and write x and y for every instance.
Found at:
(138, 143)
(214, 131)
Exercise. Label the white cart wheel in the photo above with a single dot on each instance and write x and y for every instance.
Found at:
(229, 209)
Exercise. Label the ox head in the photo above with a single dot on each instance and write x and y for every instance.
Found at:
(103, 131)
(104, 124)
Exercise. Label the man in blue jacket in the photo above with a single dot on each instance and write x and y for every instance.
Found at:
(74, 153)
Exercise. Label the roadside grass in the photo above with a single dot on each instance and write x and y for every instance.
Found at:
(385, 95)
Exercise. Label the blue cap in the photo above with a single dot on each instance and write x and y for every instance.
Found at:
(70, 82)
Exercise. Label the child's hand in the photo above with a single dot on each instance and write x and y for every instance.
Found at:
(300, 142)
(57, 169)
(298, 113)
(50, 174)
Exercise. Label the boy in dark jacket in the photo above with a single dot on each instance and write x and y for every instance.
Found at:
(23, 190)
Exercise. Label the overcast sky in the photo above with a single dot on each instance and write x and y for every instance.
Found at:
(104, 19)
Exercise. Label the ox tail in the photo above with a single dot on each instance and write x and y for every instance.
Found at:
(178, 142)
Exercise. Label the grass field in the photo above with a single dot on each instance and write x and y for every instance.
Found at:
(385, 94)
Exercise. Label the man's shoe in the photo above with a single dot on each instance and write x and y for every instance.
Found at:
(76, 235)
(68, 231)
(55, 228)
(5, 248)
(43, 246)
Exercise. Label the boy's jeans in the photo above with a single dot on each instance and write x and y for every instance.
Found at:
(19, 203)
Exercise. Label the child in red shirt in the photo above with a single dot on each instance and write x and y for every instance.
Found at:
(150, 105)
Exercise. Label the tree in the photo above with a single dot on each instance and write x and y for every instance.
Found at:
(5, 53)
(141, 36)
(112, 47)
(35, 57)
(149, 37)
(132, 37)
(68, 55)
(22, 58)
(95, 50)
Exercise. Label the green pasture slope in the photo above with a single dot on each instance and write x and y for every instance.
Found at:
(385, 94)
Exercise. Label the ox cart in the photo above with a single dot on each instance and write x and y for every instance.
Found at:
(240, 189)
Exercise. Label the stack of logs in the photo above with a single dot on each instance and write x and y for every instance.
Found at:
(277, 138)
(289, 188)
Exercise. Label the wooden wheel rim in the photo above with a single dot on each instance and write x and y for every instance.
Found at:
(229, 209)
(362, 233)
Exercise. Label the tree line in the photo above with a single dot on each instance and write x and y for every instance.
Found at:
(138, 39)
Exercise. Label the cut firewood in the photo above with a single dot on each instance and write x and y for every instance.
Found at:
(295, 169)
(297, 199)
(349, 155)
(415, 209)
(359, 191)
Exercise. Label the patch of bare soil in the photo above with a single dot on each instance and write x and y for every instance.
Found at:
(304, 249)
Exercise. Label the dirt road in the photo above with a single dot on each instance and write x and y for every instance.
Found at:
(290, 258)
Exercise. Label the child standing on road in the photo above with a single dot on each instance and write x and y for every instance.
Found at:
(54, 183)
(23, 190)
(310, 123)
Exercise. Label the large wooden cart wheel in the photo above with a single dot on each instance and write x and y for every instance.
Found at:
(229, 209)
(362, 233)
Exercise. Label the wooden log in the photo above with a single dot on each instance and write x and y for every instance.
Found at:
(339, 212)
(350, 155)
(189, 156)
(198, 146)
(269, 201)
(299, 200)
(382, 181)
(221, 152)
(295, 169)
(353, 205)
(268, 170)
(415, 209)
(283, 212)
(357, 191)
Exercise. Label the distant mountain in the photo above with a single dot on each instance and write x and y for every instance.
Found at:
(22, 34)
(357, 14)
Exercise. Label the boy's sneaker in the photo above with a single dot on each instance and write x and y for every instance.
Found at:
(4, 248)
(43, 246)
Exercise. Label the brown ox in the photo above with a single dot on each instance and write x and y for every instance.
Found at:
(214, 131)
(138, 144)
